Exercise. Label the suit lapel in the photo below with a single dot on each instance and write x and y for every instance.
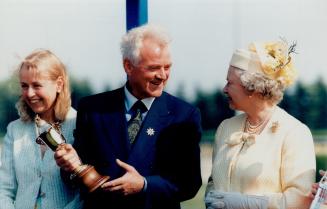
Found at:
(157, 118)
(114, 125)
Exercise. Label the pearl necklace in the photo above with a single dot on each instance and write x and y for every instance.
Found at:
(256, 129)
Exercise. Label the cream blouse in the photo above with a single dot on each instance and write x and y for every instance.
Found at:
(279, 163)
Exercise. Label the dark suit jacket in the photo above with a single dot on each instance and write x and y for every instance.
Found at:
(169, 159)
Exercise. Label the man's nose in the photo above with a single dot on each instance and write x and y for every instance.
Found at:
(161, 74)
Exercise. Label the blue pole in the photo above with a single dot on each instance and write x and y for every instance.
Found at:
(136, 13)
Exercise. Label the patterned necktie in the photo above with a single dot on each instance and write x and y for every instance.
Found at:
(134, 124)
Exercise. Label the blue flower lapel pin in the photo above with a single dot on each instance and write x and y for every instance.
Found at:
(150, 131)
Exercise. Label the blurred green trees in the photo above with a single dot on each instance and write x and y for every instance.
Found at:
(214, 108)
(9, 94)
(307, 102)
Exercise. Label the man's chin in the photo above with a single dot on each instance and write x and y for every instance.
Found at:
(156, 93)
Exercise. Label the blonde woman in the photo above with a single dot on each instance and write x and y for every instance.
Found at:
(29, 176)
(264, 157)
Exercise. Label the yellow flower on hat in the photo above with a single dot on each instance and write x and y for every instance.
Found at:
(287, 74)
(276, 62)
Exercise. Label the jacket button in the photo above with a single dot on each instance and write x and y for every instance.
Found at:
(42, 194)
(220, 196)
(219, 204)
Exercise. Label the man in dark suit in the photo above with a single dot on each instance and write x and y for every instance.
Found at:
(145, 139)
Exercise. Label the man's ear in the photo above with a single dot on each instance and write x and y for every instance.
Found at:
(127, 66)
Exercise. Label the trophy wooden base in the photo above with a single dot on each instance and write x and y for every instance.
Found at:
(90, 177)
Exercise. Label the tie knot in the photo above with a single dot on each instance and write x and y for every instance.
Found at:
(139, 106)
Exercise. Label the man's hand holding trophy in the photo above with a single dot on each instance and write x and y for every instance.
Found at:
(67, 158)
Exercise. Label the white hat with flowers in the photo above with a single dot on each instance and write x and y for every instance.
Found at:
(272, 59)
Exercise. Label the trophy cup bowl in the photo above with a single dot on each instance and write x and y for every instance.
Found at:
(86, 174)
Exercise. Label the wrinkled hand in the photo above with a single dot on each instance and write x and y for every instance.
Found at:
(130, 183)
(66, 158)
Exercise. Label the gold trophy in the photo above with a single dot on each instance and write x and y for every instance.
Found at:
(86, 174)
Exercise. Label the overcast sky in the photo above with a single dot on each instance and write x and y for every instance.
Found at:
(86, 34)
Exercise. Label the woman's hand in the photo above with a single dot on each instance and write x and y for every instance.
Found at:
(234, 200)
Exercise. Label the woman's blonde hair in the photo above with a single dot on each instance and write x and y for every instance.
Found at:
(46, 63)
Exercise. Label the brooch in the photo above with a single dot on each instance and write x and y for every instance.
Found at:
(150, 131)
(274, 126)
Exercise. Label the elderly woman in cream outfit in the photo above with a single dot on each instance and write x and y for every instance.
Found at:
(264, 157)
(29, 176)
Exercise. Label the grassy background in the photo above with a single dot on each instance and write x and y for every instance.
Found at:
(197, 202)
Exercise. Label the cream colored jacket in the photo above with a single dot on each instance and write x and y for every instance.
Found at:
(279, 163)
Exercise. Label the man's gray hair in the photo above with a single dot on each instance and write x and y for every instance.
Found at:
(132, 41)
